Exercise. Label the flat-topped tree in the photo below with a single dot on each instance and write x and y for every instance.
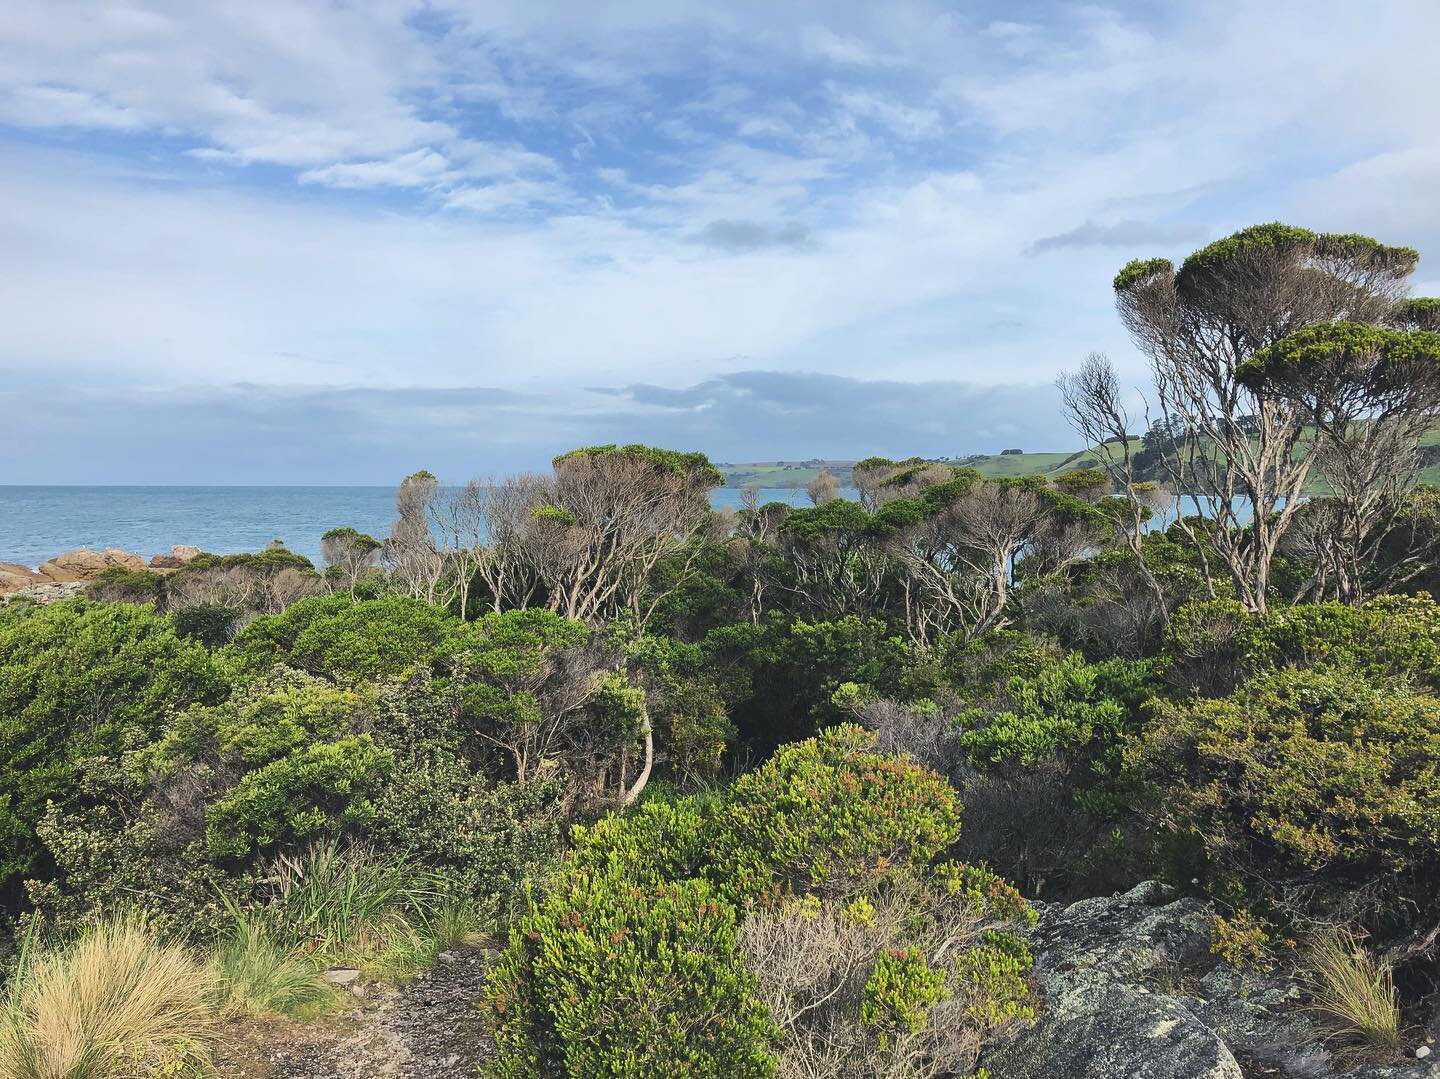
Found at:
(1371, 394)
(1417, 313)
(1200, 324)
(349, 555)
(609, 515)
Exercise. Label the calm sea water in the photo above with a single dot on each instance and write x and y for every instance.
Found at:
(37, 523)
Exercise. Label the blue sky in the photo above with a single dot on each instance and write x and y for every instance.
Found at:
(334, 242)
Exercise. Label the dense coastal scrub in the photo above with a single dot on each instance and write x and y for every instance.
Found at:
(765, 793)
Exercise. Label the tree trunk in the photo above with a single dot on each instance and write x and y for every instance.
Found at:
(644, 776)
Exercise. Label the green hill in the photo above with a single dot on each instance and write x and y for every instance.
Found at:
(989, 465)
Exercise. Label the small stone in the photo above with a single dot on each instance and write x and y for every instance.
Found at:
(341, 975)
(1422, 1052)
(447, 957)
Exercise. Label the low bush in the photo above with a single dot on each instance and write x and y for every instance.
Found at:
(870, 957)
(606, 976)
(909, 985)
(827, 816)
(1314, 793)
(1212, 647)
(320, 789)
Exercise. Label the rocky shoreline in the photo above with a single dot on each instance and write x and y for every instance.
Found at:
(67, 573)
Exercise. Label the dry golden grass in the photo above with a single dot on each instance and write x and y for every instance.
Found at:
(115, 1004)
(1353, 991)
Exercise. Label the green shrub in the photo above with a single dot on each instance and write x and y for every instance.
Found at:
(346, 640)
(212, 624)
(828, 815)
(120, 585)
(264, 721)
(1212, 647)
(81, 680)
(828, 851)
(605, 976)
(313, 791)
(902, 989)
(658, 840)
(107, 858)
(1315, 792)
(1066, 708)
(441, 809)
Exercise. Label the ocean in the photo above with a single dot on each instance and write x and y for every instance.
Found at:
(37, 523)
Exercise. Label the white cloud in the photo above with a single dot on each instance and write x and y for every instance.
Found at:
(526, 182)
(415, 169)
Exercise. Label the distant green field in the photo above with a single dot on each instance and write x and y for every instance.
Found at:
(991, 466)
(783, 474)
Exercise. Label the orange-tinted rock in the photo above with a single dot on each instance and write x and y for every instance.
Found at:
(179, 554)
(83, 564)
(14, 577)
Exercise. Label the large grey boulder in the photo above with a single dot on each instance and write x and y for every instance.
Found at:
(1102, 1029)
(1100, 1019)
(1130, 989)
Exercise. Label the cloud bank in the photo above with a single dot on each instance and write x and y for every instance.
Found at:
(675, 203)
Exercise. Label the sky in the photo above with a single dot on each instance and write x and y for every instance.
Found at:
(281, 241)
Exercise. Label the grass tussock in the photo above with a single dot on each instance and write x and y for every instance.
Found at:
(257, 977)
(343, 906)
(1354, 992)
(117, 1002)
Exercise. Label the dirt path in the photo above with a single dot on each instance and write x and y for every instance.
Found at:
(427, 1028)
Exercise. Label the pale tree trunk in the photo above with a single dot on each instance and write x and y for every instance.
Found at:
(644, 777)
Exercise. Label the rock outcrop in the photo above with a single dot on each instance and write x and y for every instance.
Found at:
(46, 592)
(14, 577)
(1131, 989)
(83, 564)
(1101, 1020)
(179, 555)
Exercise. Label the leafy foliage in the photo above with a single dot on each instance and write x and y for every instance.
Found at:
(81, 680)
(606, 976)
(1316, 792)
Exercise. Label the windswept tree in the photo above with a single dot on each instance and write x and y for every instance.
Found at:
(410, 553)
(1243, 453)
(459, 517)
(824, 487)
(1096, 409)
(879, 479)
(962, 543)
(1371, 395)
(349, 555)
(506, 564)
(586, 541)
(751, 544)
(833, 561)
(549, 693)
